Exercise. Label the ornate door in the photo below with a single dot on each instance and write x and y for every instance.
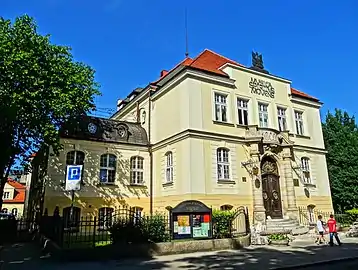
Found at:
(271, 190)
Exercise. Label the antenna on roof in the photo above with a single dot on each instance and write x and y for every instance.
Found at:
(186, 34)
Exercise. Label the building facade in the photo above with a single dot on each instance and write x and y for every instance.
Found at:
(14, 198)
(211, 130)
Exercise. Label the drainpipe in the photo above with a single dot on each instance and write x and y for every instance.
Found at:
(150, 153)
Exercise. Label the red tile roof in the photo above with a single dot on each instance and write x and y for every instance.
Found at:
(211, 61)
(19, 192)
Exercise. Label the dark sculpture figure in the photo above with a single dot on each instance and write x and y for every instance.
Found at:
(257, 61)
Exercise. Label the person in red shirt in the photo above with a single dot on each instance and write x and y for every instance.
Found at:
(332, 227)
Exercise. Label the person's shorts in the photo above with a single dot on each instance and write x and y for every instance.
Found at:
(321, 233)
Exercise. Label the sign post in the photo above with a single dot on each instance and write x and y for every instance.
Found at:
(73, 183)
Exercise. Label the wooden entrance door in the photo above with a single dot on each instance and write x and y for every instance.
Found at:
(271, 190)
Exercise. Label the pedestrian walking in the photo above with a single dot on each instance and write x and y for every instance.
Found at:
(321, 230)
(332, 227)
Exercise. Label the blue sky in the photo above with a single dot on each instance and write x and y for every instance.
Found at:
(128, 43)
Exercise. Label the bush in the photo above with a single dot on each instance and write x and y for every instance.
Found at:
(141, 230)
(353, 215)
(127, 231)
(222, 223)
(156, 228)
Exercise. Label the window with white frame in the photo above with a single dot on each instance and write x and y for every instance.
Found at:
(220, 107)
(169, 171)
(281, 115)
(105, 217)
(108, 166)
(242, 111)
(306, 171)
(6, 195)
(263, 115)
(310, 212)
(223, 164)
(299, 122)
(75, 158)
(137, 170)
(137, 213)
(14, 212)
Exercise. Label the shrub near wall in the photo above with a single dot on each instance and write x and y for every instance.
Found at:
(222, 223)
(352, 215)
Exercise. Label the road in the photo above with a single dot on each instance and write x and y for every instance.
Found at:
(337, 265)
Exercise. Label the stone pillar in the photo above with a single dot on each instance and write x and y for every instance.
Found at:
(292, 210)
(258, 201)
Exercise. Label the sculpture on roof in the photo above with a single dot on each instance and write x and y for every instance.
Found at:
(257, 61)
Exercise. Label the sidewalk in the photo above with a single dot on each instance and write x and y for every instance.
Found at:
(256, 257)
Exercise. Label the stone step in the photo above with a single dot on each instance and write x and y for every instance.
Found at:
(285, 221)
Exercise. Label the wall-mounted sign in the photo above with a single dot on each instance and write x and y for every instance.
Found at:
(262, 88)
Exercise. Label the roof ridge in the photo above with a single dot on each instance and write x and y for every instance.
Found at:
(226, 58)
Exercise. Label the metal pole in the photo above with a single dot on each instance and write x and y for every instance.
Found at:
(71, 211)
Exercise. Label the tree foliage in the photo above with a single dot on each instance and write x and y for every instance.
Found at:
(341, 140)
(41, 87)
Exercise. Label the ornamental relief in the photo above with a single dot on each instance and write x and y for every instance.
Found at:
(269, 167)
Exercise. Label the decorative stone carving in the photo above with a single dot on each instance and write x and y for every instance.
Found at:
(269, 168)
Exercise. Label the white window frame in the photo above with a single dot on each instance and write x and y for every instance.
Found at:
(223, 163)
(306, 170)
(282, 118)
(242, 107)
(299, 123)
(137, 170)
(169, 168)
(6, 195)
(108, 169)
(263, 114)
(221, 102)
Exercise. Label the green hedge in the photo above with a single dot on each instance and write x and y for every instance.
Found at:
(222, 223)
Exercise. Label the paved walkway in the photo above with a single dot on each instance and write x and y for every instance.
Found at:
(256, 257)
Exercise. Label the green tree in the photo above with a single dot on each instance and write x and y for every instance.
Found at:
(41, 87)
(341, 140)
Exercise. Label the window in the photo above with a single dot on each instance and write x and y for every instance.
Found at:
(6, 195)
(75, 158)
(14, 212)
(310, 213)
(105, 217)
(281, 114)
(75, 222)
(137, 170)
(169, 167)
(137, 213)
(223, 164)
(306, 173)
(108, 165)
(4, 210)
(299, 122)
(242, 110)
(263, 115)
(226, 207)
(220, 107)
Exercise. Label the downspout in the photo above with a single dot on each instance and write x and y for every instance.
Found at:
(150, 153)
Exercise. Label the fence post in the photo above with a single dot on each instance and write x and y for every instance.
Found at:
(94, 232)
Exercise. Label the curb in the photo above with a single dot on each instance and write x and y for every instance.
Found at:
(323, 262)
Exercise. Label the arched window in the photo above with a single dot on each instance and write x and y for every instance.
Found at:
(226, 207)
(105, 217)
(223, 165)
(14, 212)
(169, 171)
(310, 213)
(4, 210)
(137, 170)
(75, 158)
(108, 165)
(137, 213)
(75, 222)
(306, 170)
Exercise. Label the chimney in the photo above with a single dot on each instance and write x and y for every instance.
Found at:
(163, 73)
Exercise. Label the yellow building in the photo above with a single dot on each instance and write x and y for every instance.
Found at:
(211, 130)
(14, 198)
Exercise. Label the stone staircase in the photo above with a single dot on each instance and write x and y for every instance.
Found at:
(279, 225)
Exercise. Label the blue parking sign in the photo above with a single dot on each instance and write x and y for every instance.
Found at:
(73, 177)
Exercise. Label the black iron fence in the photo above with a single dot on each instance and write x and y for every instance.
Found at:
(15, 230)
(309, 217)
